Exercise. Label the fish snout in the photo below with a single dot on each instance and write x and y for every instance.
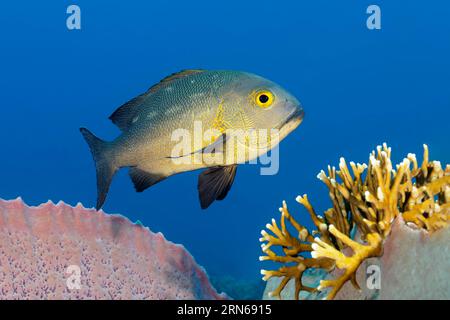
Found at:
(302, 113)
(296, 116)
(293, 120)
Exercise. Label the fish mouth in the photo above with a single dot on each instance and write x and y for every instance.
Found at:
(283, 129)
(294, 119)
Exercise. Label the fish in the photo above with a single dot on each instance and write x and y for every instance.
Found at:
(219, 100)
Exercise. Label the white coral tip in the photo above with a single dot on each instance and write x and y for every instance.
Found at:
(321, 175)
(437, 165)
(341, 162)
(411, 156)
(380, 194)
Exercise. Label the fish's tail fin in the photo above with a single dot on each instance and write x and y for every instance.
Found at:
(103, 164)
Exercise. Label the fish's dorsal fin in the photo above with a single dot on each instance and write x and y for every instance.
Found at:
(174, 76)
(124, 115)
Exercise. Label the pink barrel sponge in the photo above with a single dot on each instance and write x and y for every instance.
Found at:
(63, 252)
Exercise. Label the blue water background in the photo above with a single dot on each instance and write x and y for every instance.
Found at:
(359, 88)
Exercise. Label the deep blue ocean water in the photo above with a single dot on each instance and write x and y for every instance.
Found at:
(359, 88)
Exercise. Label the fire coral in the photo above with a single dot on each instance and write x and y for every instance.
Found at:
(365, 202)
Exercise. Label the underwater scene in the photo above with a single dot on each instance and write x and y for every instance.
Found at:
(244, 150)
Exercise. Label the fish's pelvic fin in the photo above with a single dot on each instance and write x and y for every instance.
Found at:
(103, 164)
(214, 184)
(143, 179)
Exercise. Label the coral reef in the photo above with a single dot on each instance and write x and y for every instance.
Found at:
(62, 252)
(311, 278)
(415, 265)
(365, 203)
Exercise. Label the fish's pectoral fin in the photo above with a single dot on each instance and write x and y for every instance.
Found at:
(214, 184)
(217, 146)
(143, 180)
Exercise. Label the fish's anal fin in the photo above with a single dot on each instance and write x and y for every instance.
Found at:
(143, 179)
(214, 184)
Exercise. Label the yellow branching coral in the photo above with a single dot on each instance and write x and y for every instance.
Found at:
(365, 201)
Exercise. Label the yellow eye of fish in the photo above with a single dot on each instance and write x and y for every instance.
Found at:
(264, 99)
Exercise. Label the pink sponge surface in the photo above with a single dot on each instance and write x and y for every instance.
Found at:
(63, 252)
